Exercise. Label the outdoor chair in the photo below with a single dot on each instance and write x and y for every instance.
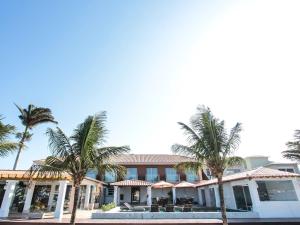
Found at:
(170, 208)
(187, 208)
(154, 208)
(134, 208)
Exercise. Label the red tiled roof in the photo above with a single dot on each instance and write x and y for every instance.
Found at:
(184, 184)
(149, 159)
(131, 183)
(261, 172)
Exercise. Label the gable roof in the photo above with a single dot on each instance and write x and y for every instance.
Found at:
(261, 172)
(149, 159)
(130, 183)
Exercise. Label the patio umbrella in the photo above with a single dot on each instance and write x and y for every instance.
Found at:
(162, 184)
(184, 184)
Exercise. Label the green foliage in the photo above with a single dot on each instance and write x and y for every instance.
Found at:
(293, 148)
(6, 146)
(107, 207)
(31, 117)
(209, 143)
(79, 153)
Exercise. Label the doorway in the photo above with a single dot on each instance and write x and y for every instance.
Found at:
(242, 197)
(135, 195)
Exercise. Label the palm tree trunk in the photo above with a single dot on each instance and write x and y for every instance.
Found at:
(222, 202)
(20, 148)
(75, 202)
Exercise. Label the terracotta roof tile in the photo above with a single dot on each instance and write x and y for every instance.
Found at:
(131, 183)
(261, 172)
(149, 159)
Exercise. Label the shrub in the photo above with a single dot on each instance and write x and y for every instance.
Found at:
(108, 206)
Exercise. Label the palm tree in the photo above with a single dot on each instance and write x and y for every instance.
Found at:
(293, 151)
(211, 146)
(31, 117)
(5, 131)
(79, 153)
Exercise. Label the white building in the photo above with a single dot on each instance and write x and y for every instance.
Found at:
(268, 192)
(21, 194)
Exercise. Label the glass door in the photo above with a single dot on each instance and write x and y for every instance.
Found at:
(135, 195)
(242, 197)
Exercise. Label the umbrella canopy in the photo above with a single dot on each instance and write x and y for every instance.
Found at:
(184, 184)
(162, 184)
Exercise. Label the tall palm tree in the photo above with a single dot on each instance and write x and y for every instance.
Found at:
(6, 146)
(293, 151)
(211, 146)
(79, 153)
(31, 117)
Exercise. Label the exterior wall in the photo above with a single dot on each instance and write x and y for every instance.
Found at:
(276, 209)
(264, 209)
(283, 166)
(158, 192)
(126, 191)
(255, 162)
(187, 193)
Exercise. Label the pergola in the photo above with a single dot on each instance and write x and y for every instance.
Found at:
(132, 183)
(12, 177)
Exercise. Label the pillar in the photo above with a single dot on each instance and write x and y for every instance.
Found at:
(149, 196)
(174, 195)
(93, 193)
(71, 203)
(200, 201)
(116, 190)
(217, 195)
(59, 209)
(8, 197)
(28, 198)
(51, 196)
(87, 196)
(254, 196)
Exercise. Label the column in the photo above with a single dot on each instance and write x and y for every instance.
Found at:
(254, 196)
(217, 195)
(71, 203)
(116, 190)
(174, 195)
(59, 209)
(94, 188)
(87, 196)
(200, 201)
(8, 197)
(149, 196)
(51, 196)
(28, 199)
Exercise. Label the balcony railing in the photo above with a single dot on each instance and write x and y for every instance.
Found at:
(173, 178)
(152, 178)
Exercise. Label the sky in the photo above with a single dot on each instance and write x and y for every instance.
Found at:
(149, 64)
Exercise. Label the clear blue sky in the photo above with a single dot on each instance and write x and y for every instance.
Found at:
(147, 63)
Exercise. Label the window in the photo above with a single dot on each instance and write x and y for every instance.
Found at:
(152, 174)
(276, 191)
(290, 170)
(212, 197)
(191, 176)
(242, 197)
(131, 174)
(232, 171)
(110, 176)
(110, 191)
(171, 175)
(203, 197)
(92, 174)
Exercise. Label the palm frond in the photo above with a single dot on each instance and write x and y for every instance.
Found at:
(189, 166)
(119, 170)
(234, 161)
(105, 153)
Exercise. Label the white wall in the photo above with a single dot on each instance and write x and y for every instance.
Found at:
(276, 209)
(187, 193)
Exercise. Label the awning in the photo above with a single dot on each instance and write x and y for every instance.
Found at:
(131, 183)
(162, 184)
(184, 184)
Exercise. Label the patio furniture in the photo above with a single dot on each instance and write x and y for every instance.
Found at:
(154, 208)
(163, 202)
(187, 208)
(170, 208)
(134, 208)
